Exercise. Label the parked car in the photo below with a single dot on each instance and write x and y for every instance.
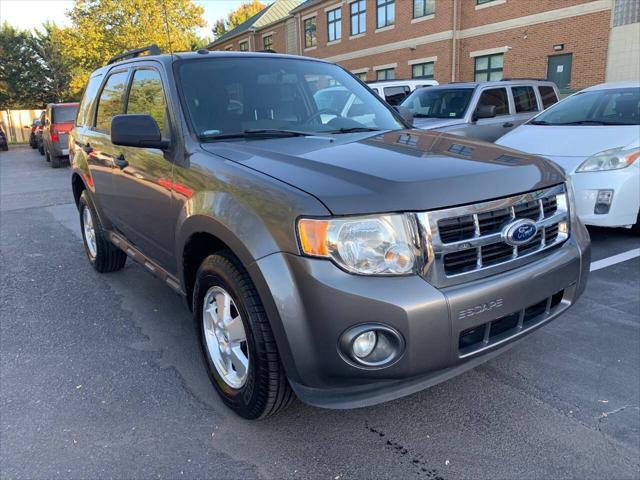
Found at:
(349, 263)
(38, 133)
(59, 119)
(395, 91)
(594, 135)
(32, 133)
(484, 110)
(4, 145)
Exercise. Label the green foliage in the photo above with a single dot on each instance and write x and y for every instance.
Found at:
(244, 12)
(103, 28)
(47, 47)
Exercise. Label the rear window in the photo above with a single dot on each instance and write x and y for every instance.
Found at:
(395, 95)
(548, 95)
(64, 114)
(496, 97)
(525, 99)
(89, 95)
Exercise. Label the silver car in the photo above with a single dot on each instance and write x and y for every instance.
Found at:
(486, 110)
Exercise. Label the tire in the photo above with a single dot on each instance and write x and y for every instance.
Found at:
(56, 162)
(41, 150)
(265, 390)
(102, 254)
(636, 227)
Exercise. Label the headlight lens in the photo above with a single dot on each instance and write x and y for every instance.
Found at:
(380, 245)
(612, 159)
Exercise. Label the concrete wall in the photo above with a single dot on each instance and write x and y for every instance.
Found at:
(623, 61)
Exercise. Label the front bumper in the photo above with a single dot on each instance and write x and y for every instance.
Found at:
(311, 303)
(625, 184)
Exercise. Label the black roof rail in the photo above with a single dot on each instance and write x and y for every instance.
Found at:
(523, 78)
(152, 49)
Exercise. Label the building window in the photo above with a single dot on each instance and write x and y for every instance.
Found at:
(267, 42)
(310, 39)
(244, 46)
(386, 74)
(362, 76)
(480, 2)
(358, 17)
(422, 8)
(422, 70)
(334, 25)
(386, 13)
(229, 48)
(489, 67)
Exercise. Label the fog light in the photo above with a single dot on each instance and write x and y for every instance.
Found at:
(603, 202)
(364, 344)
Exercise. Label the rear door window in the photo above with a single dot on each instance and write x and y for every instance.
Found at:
(395, 95)
(83, 118)
(548, 95)
(146, 97)
(496, 97)
(524, 98)
(110, 101)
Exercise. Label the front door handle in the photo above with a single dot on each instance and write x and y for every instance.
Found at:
(121, 162)
(507, 124)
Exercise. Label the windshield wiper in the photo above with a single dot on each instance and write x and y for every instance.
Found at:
(591, 122)
(353, 130)
(539, 122)
(257, 132)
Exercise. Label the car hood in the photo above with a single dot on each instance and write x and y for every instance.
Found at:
(409, 170)
(580, 141)
(433, 123)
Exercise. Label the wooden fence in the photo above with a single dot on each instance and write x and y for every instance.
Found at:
(14, 121)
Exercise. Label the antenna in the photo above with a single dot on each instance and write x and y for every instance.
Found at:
(166, 22)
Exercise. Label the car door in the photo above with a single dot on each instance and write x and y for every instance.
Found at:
(490, 129)
(96, 142)
(525, 103)
(143, 177)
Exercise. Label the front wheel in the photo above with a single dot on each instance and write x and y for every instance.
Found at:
(103, 255)
(239, 350)
(636, 228)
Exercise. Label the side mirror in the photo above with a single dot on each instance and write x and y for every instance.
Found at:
(405, 113)
(136, 131)
(484, 111)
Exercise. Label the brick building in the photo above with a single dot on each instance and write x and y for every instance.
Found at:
(575, 43)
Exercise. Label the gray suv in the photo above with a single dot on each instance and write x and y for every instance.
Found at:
(345, 261)
(486, 110)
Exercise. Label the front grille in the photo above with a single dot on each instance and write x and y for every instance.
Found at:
(469, 239)
(482, 336)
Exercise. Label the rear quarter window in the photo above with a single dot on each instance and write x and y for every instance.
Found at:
(548, 95)
(84, 112)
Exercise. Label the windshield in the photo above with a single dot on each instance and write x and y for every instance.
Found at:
(439, 102)
(231, 95)
(616, 106)
(64, 114)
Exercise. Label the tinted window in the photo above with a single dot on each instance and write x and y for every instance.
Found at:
(87, 99)
(274, 93)
(64, 114)
(439, 102)
(496, 97)
(395, 95)
(548, 95)
(147, 97)
(110, 102)
(524, 99)
(614, 106)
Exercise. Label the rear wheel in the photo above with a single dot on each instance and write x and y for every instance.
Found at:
(56, 162)
(237, 342)
(103, 255)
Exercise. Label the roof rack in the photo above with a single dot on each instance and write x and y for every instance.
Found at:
(152, 49)
(523, 78)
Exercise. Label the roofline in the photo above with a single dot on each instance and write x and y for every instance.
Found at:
(247, 31)
(302, 6)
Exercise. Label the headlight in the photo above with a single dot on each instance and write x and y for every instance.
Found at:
(613, 159)
(373, 245)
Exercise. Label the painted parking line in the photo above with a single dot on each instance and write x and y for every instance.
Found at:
(621, 257)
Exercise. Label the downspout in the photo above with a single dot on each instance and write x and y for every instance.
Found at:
(300, 34)
(454, 41)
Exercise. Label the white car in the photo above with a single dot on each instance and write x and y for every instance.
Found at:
(594, 135)
(395, 91)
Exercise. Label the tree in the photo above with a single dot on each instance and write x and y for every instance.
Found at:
(240, 15)
(103, 28)
(47, 46)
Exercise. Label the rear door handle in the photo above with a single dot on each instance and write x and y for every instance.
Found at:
(507, 124)
(121, 162)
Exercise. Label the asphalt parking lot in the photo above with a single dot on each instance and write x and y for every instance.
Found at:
(101, 376)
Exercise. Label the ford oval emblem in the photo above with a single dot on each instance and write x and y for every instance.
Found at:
(520, 232)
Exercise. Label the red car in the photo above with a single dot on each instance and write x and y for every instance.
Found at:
(59, 120)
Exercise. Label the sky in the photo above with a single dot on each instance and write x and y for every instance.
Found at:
(28, 14)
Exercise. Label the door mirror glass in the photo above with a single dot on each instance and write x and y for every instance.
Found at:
(136, 131)
(485, 111)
